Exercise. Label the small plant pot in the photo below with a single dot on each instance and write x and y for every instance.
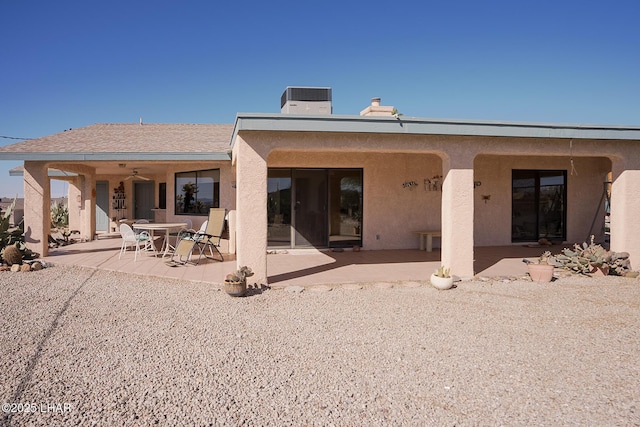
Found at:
(441, 283)
(540, 272)
(235, 289)
(602, 270)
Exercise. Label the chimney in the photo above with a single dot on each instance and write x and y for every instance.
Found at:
(375, 109)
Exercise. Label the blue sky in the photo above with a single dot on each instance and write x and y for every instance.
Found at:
(70, 64)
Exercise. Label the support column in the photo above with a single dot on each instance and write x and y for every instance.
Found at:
(625, 212)
(88, 218)
(82, 200)
(457, 217)
(75, 206)
(37, 207)
(232, 231)
(251, 210)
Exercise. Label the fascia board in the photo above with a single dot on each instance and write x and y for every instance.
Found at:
(417, 126)
(52, 173)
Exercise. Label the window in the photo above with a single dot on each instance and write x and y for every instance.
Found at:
(162, 195)
(538, 205)
(197, 191)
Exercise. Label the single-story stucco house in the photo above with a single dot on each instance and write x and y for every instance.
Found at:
(308, 178)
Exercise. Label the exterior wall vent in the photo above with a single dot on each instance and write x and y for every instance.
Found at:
(306, 100)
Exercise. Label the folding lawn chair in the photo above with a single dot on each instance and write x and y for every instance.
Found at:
(211, 236)
(208, 237)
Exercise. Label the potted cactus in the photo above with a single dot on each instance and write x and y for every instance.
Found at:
(441, 278)
(542, 271)
(235, 284)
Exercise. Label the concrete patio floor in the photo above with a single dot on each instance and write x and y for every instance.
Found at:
(301, 267)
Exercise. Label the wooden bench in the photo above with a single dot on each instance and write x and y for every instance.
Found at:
(428, 235)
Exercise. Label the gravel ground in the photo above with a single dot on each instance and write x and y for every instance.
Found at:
(87, 347)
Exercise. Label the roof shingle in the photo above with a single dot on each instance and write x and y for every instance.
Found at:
(131, 138)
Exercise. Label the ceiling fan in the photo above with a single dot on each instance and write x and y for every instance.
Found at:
(134, 174)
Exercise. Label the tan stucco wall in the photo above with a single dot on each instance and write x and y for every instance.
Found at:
(492, 220)
(167, 175)
(37, 217)
(227, 192)
(251, 213)
(469, 221)
(391, 212)
(75, 207)
(625, 214)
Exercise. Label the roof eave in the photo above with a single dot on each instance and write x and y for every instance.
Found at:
(419, 126)
(57, 156)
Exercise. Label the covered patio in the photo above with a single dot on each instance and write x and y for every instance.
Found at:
(300, 267)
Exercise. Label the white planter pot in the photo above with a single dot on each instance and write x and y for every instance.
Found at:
(441, 282)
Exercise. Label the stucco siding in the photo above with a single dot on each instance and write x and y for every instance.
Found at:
(492, 220)
(391, 211)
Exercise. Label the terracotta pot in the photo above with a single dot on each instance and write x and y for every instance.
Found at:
(603, 270)
(441, 283)
(540, 272)
(235, 289)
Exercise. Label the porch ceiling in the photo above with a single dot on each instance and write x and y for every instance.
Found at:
(63, 170)
(115, 168)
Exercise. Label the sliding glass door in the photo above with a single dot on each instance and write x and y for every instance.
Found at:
(310, 207)
(314, 207)
(345, 207)
(279, 208)
(538, 205)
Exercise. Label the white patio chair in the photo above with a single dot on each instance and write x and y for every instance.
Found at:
(141, 241)
(139, 221)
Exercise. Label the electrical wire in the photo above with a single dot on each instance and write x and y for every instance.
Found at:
(12, 137)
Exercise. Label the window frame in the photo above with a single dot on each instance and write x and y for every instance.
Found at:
(537, 175)
(200, 173)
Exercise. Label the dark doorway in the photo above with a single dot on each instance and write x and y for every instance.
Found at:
(143, 199)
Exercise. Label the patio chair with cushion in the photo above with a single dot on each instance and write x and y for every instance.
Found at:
(183, 250)
(141, 241)
(188, 229)
(208, 237)
(139, 221)
(212, 234)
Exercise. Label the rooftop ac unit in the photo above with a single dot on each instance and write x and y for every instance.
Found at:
(306, 100)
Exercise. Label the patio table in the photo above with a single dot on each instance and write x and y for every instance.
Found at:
(167, 227)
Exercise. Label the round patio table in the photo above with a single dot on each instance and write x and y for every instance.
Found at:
(167, 227)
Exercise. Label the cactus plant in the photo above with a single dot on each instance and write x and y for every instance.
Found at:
(443, 272)
(12, 255)
(13, 236)
(239, 275)
(587, 258)
(441, 278)
(235, 284)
